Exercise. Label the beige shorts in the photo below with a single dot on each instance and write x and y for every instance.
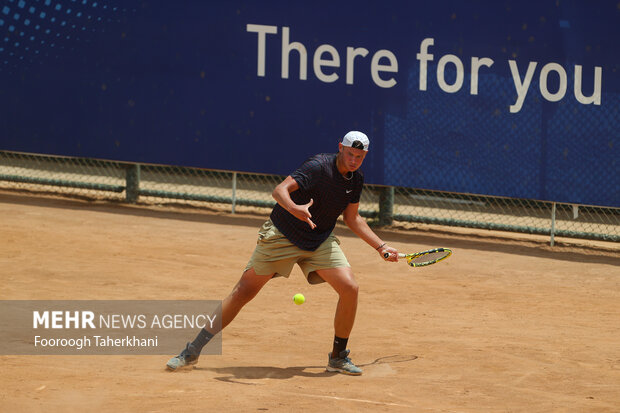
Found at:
(274, 253)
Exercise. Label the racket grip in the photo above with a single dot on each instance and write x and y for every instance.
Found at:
(387, 255)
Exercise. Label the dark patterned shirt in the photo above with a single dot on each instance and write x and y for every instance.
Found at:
(318, 179)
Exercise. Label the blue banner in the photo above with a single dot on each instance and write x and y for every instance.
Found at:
(514, 98)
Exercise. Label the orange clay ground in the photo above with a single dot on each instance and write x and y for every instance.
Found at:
(507, 324)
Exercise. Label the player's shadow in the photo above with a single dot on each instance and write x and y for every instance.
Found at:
(235, 374)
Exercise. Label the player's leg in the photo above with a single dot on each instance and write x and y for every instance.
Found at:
(343, 282)
(244, 291)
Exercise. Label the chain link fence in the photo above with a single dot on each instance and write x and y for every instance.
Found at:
(244, 192)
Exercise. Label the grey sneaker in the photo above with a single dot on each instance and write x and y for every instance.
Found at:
(343, 364)
(188, 357)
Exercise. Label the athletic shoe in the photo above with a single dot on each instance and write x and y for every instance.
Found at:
(343, 364)
(188, 357)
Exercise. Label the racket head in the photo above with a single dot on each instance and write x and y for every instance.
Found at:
(428, 257)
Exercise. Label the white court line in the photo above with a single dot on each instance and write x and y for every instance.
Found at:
(318, 396)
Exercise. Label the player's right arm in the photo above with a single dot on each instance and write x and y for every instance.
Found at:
(282, 195)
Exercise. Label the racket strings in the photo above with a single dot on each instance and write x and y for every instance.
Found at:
(433, 256)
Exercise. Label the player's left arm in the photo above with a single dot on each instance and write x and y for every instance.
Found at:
(360, 227)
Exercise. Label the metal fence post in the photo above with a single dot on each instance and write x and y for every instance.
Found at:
(552, 241)
(132, 183)
(386, 205)
(234, 191)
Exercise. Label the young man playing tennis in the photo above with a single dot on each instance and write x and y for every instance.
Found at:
(300, 231)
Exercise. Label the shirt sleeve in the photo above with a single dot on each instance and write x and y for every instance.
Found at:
(307, 175)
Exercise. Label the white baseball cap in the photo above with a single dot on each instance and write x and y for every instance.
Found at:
(357, 140)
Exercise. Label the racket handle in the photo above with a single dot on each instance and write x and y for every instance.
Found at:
(387, 255)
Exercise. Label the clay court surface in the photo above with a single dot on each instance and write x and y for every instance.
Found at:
(507, 324)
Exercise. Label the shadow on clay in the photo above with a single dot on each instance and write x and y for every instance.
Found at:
(234, 374)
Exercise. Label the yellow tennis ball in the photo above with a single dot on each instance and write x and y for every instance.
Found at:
(299, 299)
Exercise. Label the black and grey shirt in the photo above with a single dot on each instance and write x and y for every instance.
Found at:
(318, 179)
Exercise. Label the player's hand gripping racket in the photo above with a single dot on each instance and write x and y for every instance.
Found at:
(420, 259)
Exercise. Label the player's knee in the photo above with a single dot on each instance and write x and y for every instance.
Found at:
(241, 294)
(245, 291)
(349, 289)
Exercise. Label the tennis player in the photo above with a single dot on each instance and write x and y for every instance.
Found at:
(300, 231)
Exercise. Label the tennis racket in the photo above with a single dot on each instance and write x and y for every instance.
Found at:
(420, 259)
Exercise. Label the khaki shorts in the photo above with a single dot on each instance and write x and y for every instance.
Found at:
(274, 253)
